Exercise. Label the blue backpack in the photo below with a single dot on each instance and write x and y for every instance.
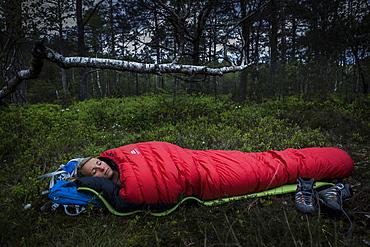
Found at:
(62, 192)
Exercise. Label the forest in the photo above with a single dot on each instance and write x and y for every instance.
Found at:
(82, 76)
(310, 49)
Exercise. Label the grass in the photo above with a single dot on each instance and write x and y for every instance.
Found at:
(37, 138)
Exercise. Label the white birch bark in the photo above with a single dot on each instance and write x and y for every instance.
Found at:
(122, 65)
(41, 52)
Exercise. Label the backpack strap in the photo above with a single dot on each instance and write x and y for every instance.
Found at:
(78, 209)
(51, 174)
(46, 205)
(52, 180)
(64, 171)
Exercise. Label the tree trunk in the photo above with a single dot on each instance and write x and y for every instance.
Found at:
(273, 48)
(64, 84)
(19, 97)
(294, 40)
(243, 85)
(81, 49)
(64, 73)
(113, 74)
(245, 41)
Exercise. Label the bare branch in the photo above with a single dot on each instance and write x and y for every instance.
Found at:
(249, 16)
(92, 13)
(41, 52)
(121, 65)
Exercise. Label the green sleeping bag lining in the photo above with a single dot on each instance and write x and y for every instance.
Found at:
(287, 188)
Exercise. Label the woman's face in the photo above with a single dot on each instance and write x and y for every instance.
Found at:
(97, 168)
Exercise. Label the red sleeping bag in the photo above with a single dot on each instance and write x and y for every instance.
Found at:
(159, 172)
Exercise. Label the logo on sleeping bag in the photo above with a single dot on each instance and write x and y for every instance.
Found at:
(135, 151)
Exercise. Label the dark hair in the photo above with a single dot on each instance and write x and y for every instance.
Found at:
(110, 163)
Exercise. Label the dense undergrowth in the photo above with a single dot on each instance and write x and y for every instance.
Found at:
(36, 139)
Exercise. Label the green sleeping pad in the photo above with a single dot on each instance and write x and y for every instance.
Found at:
(287, 188)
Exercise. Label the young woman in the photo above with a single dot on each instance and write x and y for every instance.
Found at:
(156, 174)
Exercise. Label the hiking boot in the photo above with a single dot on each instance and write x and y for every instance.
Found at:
(333, 197)
(305, 195)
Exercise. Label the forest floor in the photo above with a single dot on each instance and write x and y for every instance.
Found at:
(36, 139)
